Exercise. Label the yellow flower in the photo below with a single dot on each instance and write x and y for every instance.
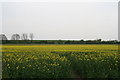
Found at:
(23, 67)
(17, 67)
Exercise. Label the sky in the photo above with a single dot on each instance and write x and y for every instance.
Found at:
(70, 20)
(59, 0)
(0, 18)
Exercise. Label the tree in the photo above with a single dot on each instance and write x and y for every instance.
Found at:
(31, 36)
(24, 36)
(99, 40)
(3, 37)
(15, 37)
(81, 40)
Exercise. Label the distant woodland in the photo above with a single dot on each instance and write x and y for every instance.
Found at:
(29, 39)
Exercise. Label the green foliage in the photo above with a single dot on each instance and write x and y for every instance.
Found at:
(59, 42)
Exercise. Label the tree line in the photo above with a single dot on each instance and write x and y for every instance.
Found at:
(24, 36)
(29, 39)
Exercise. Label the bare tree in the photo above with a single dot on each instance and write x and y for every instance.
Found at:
(3, 37)
(15, 37)
(31, 36)
(24, 36)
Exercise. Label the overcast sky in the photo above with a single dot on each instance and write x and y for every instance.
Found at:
(61, 20)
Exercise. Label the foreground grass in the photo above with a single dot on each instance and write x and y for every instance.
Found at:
(57, 61)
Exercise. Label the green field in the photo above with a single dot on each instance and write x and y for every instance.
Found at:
(60, 61)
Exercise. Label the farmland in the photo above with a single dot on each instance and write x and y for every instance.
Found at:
(57, 61)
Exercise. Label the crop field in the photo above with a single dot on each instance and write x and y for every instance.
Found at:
(60, 61)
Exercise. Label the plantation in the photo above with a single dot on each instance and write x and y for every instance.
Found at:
(57, 61)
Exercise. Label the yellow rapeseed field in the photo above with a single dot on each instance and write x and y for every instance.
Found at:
(57, 61)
